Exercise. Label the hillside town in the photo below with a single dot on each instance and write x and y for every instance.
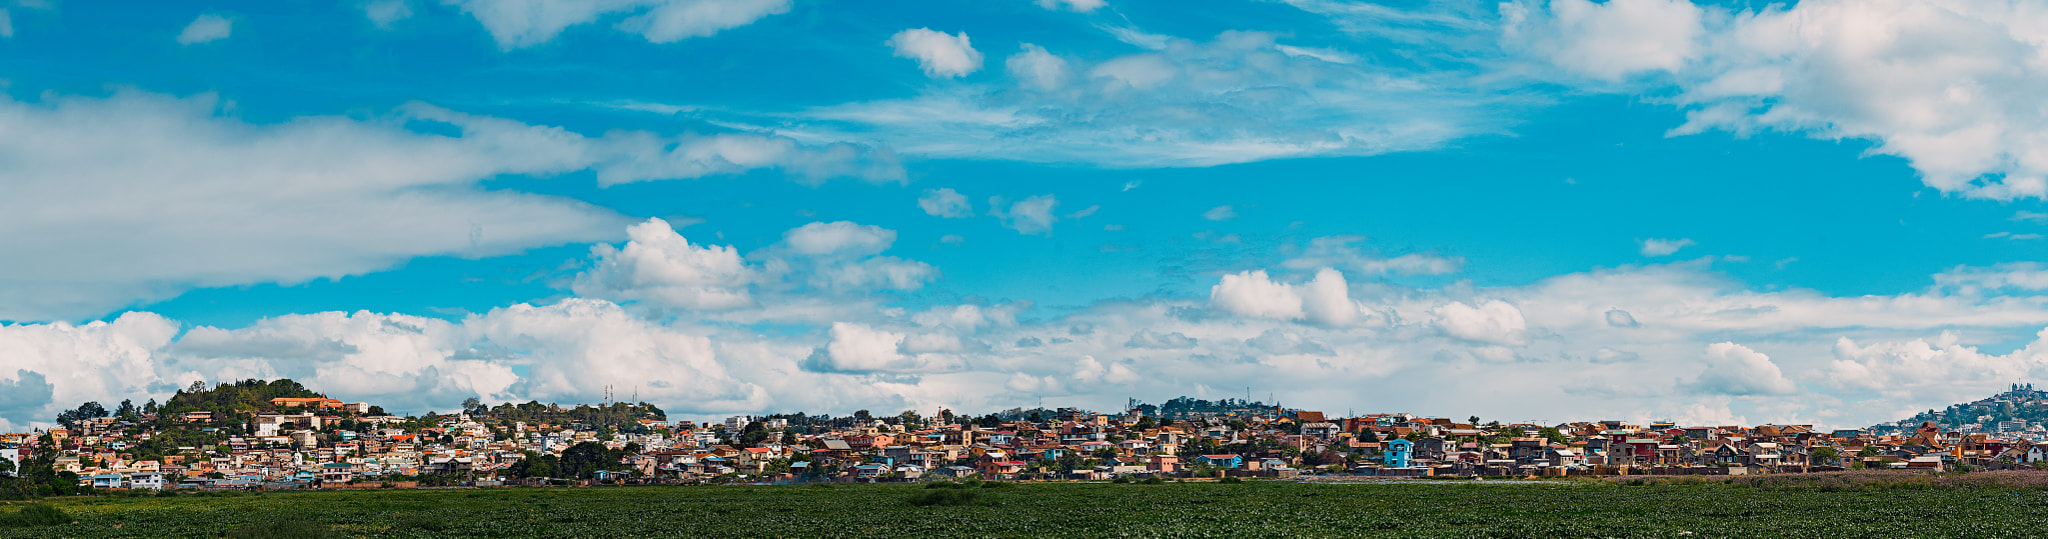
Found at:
(288, 442)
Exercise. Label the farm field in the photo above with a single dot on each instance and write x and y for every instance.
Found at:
(1261, 509)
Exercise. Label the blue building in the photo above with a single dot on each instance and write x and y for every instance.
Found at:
(1398, 452)
(1221, 461)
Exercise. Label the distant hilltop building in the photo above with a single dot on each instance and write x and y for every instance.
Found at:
(320, 403)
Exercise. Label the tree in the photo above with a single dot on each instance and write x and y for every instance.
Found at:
(149, 408)
(474, 406)
(1474, 419)
(126, 410)
(583, 460)
(1069, 460)
(1146, 423)
(377, 410)
(789, 437)
(1826, 455)
(1368, 436)
(753, 435)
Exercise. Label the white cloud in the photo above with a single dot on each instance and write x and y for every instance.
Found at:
(1663, 247)
(1340, 252)
(840, 237)
(658, 265)
(676, 20)
(636, 156)
(945, 203)
(1326, 300)
(207, 27)
(163, 195)
(1606, 40)
(2025, 276)
(95, 361)
(524, 23)
(1038, 69)
(1735, 369)
(1146, 338)
(1033, 215)
(1621, 319)
(843, 256)
(384, 12)
(1275, 341)
(1942, 369)
(1492, 321)
(939, 54)
(1219, 213)
(6, 24)
(1253, 294)
(1082, 6)
(1232, 99)
(1534, 342)
(1948, 85)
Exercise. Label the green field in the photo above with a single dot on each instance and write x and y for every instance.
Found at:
(1253, 509)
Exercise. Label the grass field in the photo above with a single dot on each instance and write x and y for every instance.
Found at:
(1253, 509)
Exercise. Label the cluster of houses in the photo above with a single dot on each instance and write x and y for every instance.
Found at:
(301, 444)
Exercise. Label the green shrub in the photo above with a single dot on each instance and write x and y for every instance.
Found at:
(1154, 481)
(1231, 481)
(946, 484)
(1121, 479)
(994, 484)
(35, 514)
(945, 496)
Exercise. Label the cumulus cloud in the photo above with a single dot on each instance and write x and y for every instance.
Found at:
(56, 366)
(1607, 40)
(1663, 247)
(1325, 299)
(946, 203)
(1253, 294)
(517, 24)
(843, 256)
(1947, 85)
(1033, 215)
(1219, 213)
(1039, 69)
(939, 54)
(1735, 369)
(658, 265)
(1621, 319)
(208, 27)
(1491, 321)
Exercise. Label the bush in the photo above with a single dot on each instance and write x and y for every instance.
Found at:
(35, 514)
(994, 484)
(282, 526)
(1121, 479)
(945, 496)
(1231, 481)
(947, 484)
(1154, 481)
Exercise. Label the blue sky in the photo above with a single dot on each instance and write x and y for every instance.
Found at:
(1822, 212)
